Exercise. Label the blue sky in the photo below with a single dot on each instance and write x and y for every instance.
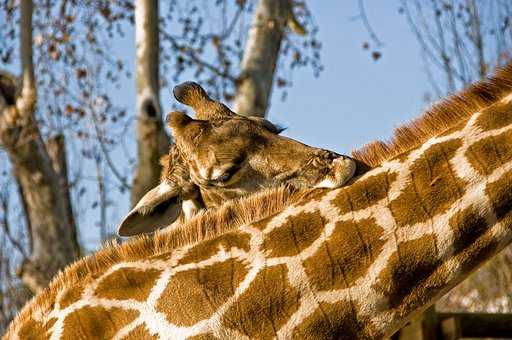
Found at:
(355, 99)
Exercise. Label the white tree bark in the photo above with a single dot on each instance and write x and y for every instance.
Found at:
(152, 141)
(53, 232)
(261, 55)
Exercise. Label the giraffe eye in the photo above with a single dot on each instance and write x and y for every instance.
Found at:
(228, 174)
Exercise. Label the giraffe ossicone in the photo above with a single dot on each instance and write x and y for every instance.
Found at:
(355, 262)
(221, 156)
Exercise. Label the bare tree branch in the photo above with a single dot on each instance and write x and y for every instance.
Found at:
(52, 234)
(366, 23)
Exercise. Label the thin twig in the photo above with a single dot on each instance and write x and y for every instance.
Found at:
(103, 149)
(194, 58)
(366, 23)
(6, 228)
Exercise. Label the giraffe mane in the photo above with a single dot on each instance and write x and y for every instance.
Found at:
(440, 117)
(204, 226)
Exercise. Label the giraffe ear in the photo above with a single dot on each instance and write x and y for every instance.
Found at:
(160, 207)
(190, 93)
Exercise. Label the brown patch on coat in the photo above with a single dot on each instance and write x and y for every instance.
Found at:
(495, 116)
(467, 225)
(433, 186)
(346, 255)
(259, 313)
(70, 296)
(490, 153)
(128, 283)
(194, 295)
(425, 291)
(340, 320)
(140, 332)
(500, 195)
(35, 330)
(96, 322)
(313, 195)
(477, 254)
(411, 264)
(208, 248)
(440, 117)
(295, 235)
(364, 193)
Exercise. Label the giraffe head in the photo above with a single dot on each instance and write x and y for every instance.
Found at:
(222, 155)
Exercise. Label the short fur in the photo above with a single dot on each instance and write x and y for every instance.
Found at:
(204, 226)
(250, 209)
(439, 118)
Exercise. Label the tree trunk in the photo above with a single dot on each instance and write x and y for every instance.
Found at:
(261, 55)
(57, 151)
(54, 243)
(152, 141)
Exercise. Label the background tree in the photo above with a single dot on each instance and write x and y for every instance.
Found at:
(39, 170)
(152, 141)
(462, 40)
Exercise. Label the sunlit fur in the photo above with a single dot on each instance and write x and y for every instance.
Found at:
(253, 208)
(204, 226)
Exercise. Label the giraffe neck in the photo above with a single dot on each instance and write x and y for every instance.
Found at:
(355, 262)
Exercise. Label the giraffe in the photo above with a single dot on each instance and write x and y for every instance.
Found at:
(221, 155)
(352, 262)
